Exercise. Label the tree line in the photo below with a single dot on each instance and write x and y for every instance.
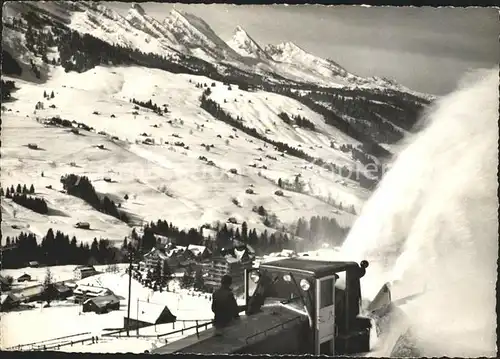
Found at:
(56, 249)
(20, 195)
(82, 188)
(324, 228)
(297, 120)
(151, 105)
(321, 229)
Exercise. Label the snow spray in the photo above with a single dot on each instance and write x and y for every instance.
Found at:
(431, 226)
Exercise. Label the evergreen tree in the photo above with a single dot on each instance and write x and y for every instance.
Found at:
(19, 189)
(44, 94)
(187, 278)
(32, 189)
(166, 274)
(157, 272)
(125, 244)
(12, 191)
(94, 249)
(199, 283)
(1, 192)
(25, 189)
(49, 291)
(244, 231)
(52, 94)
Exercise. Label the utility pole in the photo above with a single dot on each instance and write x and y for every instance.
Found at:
(129, 288)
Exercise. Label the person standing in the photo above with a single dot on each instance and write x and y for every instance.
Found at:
(224, 305)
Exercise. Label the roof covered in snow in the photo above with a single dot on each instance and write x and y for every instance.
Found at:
(82, 288)
(104, 300)
(148, 312)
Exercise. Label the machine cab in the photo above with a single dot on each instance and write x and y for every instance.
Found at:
(326, 293)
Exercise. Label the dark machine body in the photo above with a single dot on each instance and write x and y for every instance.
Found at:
(296, 307)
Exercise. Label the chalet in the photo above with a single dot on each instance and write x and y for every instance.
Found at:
(83, 225)
(148, 314)
(24, 278)
(30, 294)
(102, 304)
(33, 264)
(153, 257)
(63, 291)
(199, 252)
(233, 263)
(84, 292)
(8, 301)
(81, 272)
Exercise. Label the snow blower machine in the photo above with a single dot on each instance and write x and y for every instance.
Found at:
(295, 306)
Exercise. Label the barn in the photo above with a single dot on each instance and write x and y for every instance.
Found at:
(102, 304)
(148, 314)
(84, 292)
(24, 278)
(63, 291)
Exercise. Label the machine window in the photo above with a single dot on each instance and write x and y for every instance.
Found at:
(326, 293)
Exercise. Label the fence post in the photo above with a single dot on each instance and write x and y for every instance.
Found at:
(197, 331)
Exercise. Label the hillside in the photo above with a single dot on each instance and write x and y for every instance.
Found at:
(168, 121)
(146, 172)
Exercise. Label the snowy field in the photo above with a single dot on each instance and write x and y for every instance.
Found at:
(162, 176)
(186, 305)
(59, 273)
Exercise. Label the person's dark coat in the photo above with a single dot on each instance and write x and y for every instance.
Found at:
(224, 307)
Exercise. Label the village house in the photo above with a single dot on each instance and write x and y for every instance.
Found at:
(30, 294)
(199, 252)
(33, 264)
(63, 291)
(232, 263)
(85, 271)
(24, 278)
(83, 225)
(84, 292)
(147, 314)
(153, 257)
(102, 304)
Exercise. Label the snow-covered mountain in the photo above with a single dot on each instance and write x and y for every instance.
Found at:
(181, 34)
(243, 44)
(288, 52)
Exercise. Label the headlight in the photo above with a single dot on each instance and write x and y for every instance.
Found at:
(254, 277)
(305, 285)
(287, 278)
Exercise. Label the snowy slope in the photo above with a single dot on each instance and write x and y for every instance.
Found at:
(196, 192)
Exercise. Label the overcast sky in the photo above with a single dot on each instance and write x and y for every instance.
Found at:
(426, 49)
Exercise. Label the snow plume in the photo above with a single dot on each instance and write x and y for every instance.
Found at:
(432, 225)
